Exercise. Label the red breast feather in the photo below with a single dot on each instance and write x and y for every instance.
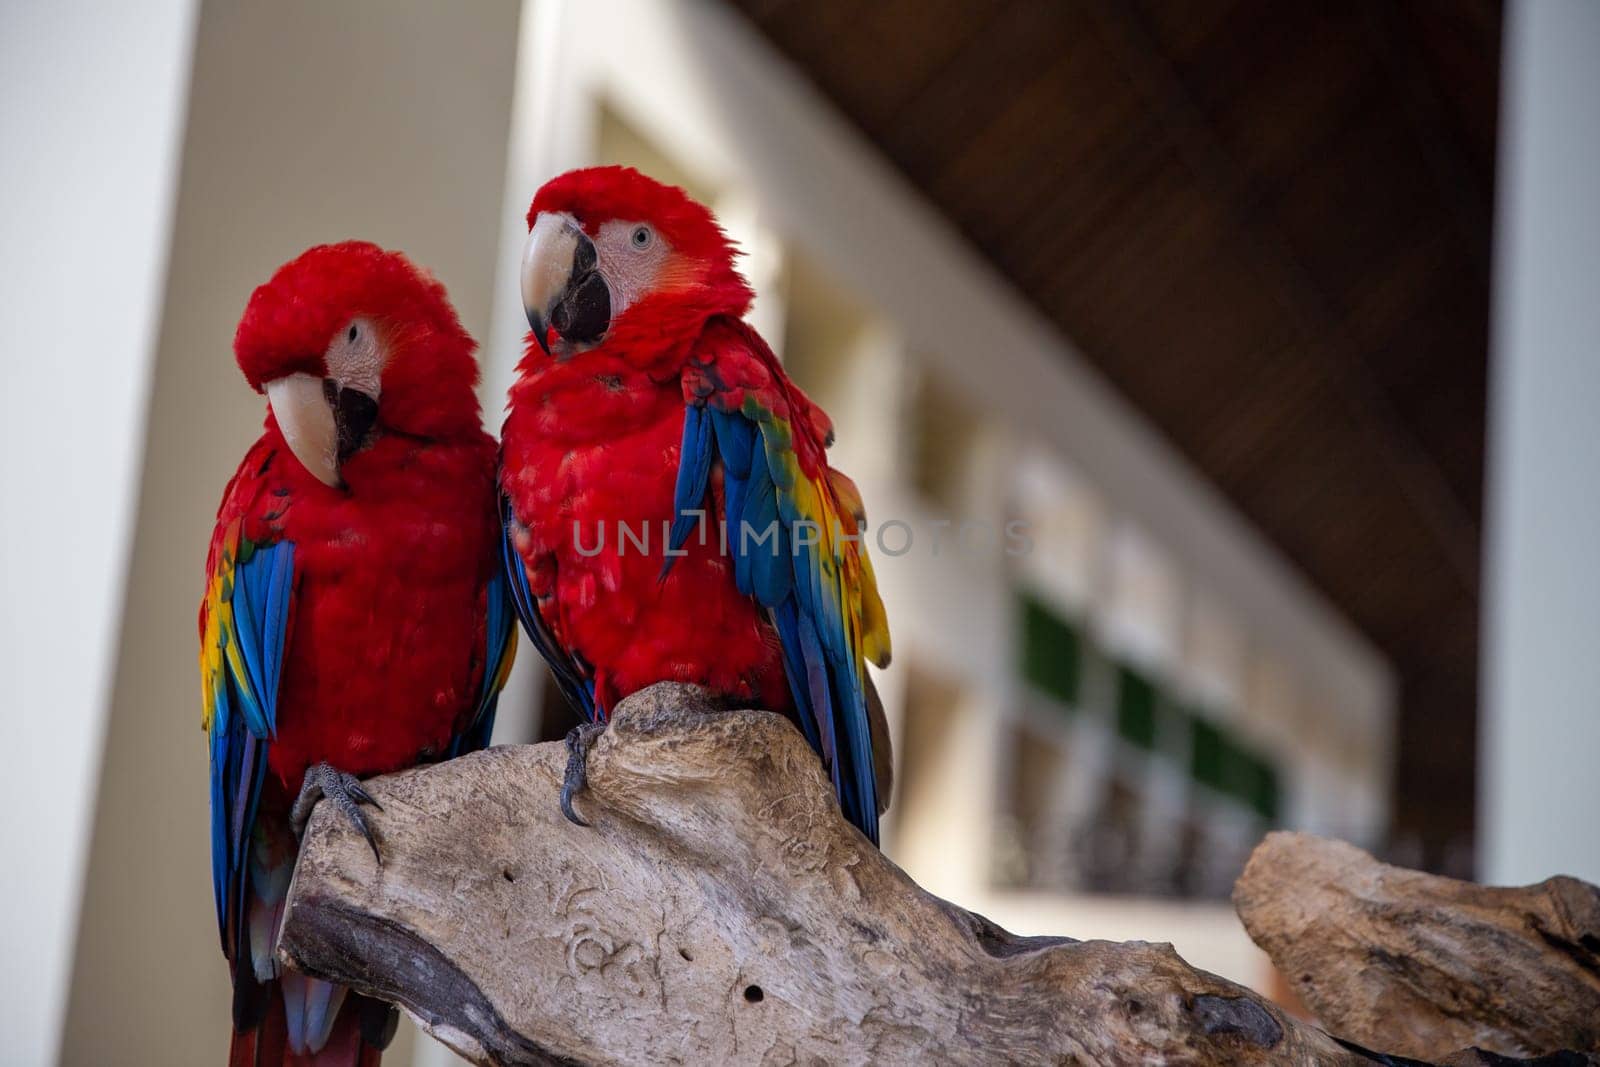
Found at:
(575, 485)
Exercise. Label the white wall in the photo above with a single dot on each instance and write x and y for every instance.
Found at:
(309, 122)
(91, 110)
(1541, 722)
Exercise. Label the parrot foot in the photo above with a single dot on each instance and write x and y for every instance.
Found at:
(347, 794)
(579, 740)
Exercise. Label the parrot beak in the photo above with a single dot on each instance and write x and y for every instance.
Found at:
(562, 285)
(323, 424)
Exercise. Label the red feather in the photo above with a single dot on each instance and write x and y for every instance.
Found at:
(572, 482)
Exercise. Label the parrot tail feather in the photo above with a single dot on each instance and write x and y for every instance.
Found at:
(355, 1034)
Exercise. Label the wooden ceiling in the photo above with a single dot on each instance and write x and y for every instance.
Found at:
(1267, 222)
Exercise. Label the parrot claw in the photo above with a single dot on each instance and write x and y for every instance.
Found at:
(347, 794)
(579, 740)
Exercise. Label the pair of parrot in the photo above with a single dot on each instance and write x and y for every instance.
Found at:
(373, 551)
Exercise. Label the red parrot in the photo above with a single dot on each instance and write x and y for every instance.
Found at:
(670, 512)
(356, 619)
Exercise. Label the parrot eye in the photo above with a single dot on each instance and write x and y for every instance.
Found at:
(354, 333)
(641, 237)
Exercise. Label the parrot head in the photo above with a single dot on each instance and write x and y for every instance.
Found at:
(614, 256)
(349, 341)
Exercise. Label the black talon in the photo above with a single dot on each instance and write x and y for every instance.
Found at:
(579, 740)
(347, 794)
(359, 793)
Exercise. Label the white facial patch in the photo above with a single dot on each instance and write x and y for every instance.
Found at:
(355, 358)
(631, 257)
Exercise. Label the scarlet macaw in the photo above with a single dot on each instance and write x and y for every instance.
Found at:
(645, 405)
(355, 619)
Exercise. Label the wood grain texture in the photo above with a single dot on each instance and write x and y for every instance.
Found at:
(1420, 965)
(718, 910)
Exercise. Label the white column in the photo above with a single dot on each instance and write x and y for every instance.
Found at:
(1540, 745)
(91, 117)
(547, 136)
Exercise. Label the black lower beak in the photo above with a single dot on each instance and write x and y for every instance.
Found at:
(584, 313)
(354, 415)
(540, 328)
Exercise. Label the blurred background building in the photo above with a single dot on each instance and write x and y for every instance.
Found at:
(1156, 335)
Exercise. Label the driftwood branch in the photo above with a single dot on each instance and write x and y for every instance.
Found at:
(718, 910)
(1418, 965)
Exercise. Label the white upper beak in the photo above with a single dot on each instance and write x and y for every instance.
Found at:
(301, 407)
(547, 260)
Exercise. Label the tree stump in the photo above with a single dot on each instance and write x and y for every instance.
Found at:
(718, 909)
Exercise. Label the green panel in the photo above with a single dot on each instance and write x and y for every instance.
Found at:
(1218, 760)
(1052, 652)
(1206, 753)
(1136, 707)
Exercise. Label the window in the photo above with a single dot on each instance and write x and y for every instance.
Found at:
(1136, 708)
(1206, 753)
(1052, 653)
(945, 434)
(1034, 840)
(1220, 762)
(1260, 786)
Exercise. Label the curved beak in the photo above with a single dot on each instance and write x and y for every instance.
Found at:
(562, 285)
(323, 424)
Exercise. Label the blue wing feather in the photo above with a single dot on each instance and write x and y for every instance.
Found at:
(799, 584)
(500, 643)
(694, 470)
(254, 602)
(249, 771)
(819, 696)
(279, 585)
(769, 564)
(571, 679)
(248, 643)
(786, 618)
(221, 854)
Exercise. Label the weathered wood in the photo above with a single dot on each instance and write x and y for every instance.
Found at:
(1420, 965)
(718, 910)
(1477, 1057)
